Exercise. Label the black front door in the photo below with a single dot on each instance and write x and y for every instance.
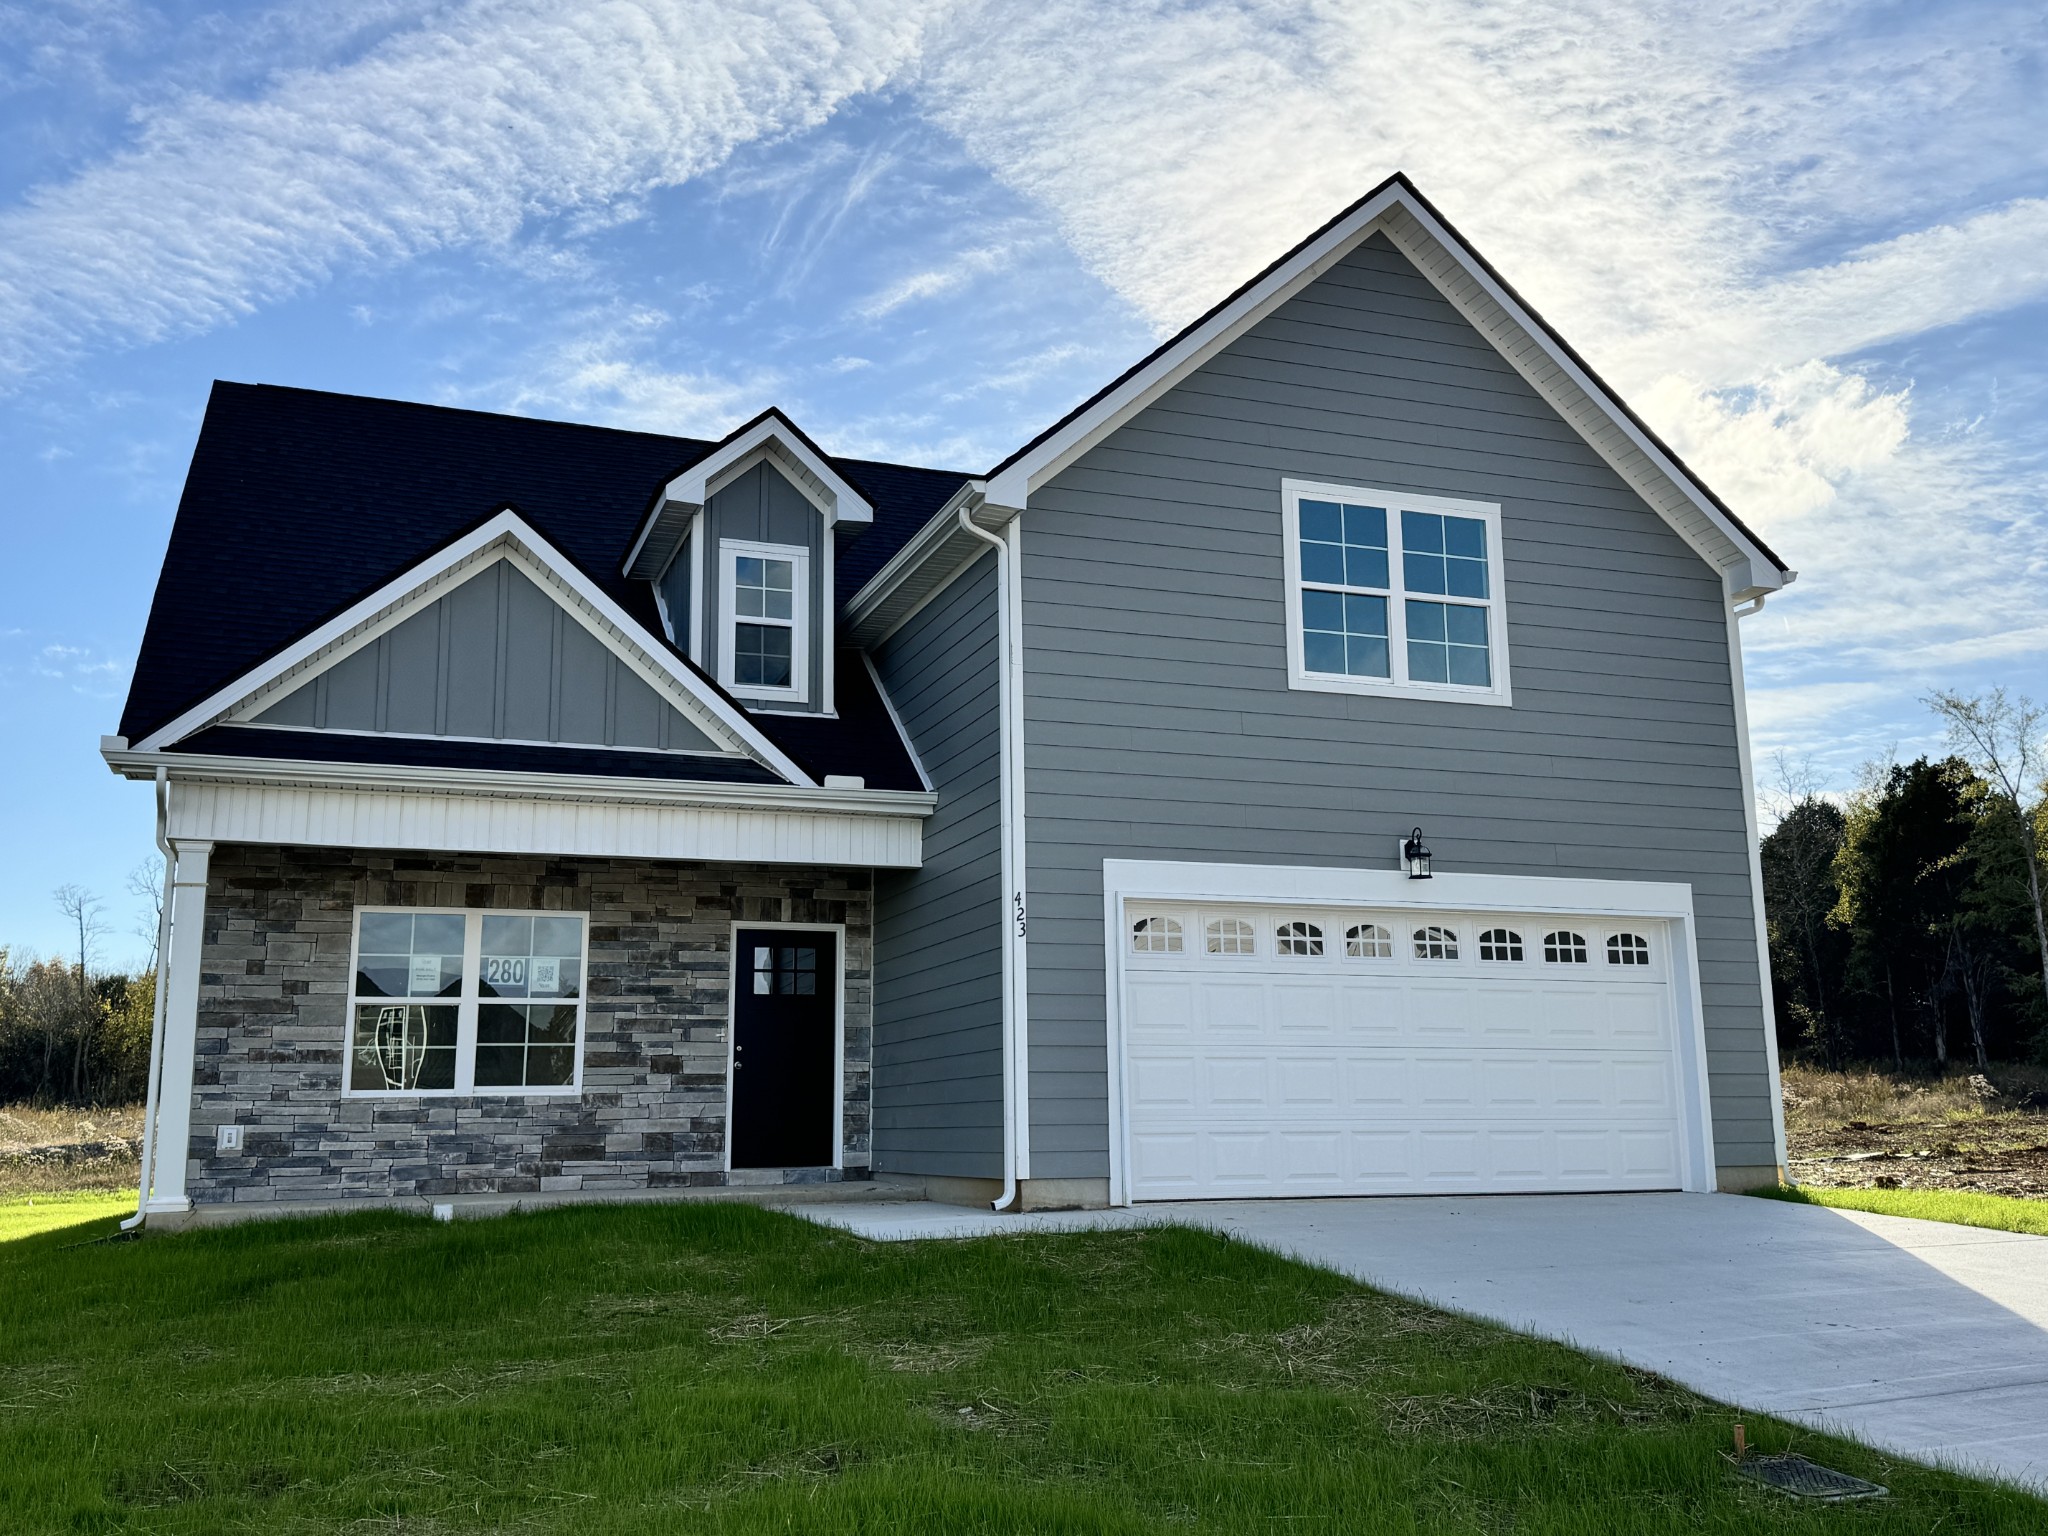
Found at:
(784, 1007)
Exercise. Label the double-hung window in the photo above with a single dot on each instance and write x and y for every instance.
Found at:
(447, 1002)
(764, 603)
(1391, 593)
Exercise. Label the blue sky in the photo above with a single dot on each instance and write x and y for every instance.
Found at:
(1808, 240)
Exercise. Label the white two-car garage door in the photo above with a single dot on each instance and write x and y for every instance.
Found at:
(1323, 1050)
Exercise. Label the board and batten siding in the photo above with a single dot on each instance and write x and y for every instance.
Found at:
(762, 507)
(1159, 723)
(938, 1063)
(495, 659)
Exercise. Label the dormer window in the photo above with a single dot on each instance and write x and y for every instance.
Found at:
(764, 600)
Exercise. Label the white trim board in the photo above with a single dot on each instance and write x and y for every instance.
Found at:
(507, 536)
(580, 823)
(1284, 885)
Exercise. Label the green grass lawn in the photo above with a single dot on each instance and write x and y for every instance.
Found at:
(722, 1368)
(31, 1214)
(1959, 1206)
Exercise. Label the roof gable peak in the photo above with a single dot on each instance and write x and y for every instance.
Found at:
(1397, 209)
(770, 437)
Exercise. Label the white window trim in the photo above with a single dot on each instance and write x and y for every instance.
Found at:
(465, 1008)
(729, 553)
(1398, 686)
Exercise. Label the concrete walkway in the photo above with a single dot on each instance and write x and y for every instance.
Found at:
(1927, 1340)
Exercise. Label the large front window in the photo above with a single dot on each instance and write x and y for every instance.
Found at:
(466, 1002)
(1390, 592)
(764, 598)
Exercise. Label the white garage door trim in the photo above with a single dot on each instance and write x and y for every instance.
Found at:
(1135, 881)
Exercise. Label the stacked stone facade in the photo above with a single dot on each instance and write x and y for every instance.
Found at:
(651, 1115)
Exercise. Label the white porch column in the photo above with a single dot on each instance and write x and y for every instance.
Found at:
(180, 981)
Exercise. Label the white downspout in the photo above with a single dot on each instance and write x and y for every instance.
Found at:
(156, 1016)
(1016, 1004)
(1756, 878)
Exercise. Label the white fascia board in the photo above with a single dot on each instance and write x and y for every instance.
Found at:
(195, 767)
(869, 620)
(639, 648)
(777, 438)
(1320, 885)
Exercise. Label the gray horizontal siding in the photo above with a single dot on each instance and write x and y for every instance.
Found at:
(938, 1073)
(1160, 724)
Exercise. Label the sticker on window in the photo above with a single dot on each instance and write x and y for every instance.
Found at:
(426, 976)
(547, 976)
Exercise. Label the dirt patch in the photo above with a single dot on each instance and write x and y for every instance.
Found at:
(56, 1151)
(1873, 1130)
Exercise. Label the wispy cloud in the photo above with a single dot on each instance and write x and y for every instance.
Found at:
(932, 282)
(609, 371)
(458, 133)
(80, 669)
(1704, 200)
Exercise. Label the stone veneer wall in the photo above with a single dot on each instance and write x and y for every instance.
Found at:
(273, 997)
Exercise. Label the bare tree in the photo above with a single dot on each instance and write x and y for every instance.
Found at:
(84, 911)
(146, 884)
(2000, 736)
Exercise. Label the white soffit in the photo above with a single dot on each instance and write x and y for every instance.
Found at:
(507, 536)
(1457, 272)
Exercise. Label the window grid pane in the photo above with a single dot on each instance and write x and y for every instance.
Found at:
(1346, 561)
(1500, 944)
(1436, 944)
(1232, 936)
(397, 1046)
(761, 656)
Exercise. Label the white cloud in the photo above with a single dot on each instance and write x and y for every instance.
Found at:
(1702, 199)
(932, 282)
(1780, 448)
(82, 669)
(605, 374)
(458, 133)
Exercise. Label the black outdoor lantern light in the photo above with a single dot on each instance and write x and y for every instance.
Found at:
(1415, 856)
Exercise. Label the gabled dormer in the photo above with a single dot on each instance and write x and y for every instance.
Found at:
(739, 549)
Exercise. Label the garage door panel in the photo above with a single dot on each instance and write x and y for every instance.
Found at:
(1161, 1083)
(1230, 1009)
(1376, 1082)
(1310, 1083)
(1162, 1007)
(1372, 1009)
(1236, 1081)
(1274, 1074)
(1304, 1010)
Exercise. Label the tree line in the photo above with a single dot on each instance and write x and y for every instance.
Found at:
(1907, 921)
(72, 1032)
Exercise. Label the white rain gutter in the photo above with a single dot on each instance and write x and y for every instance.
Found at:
(156, 1016)
(1737, 613)
(1016, 994)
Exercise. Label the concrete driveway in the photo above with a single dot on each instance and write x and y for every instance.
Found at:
(1923, 1339)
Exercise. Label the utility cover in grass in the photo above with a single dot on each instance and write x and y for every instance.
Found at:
(1807, 1480)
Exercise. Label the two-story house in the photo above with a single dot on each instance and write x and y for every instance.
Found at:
(559, 811)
